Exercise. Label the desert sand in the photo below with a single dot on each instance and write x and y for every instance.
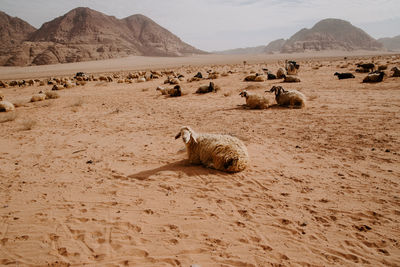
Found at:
(96, 177)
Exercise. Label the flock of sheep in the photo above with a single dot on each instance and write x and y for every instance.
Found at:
(221, 152)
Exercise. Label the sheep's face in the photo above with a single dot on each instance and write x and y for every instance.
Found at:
(187, 135)
(243, 93)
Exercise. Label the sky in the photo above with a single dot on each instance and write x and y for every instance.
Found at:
(213, 25)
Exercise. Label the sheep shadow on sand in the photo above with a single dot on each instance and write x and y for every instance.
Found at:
(182, 166)
(244, 107)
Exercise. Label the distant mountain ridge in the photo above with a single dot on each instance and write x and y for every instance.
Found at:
(327, 34)
(84, 34)
(391, 43)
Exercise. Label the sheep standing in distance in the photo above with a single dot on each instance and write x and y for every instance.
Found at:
(396, 72)
(290, 79)
(374, 77)
(255, 101)
(38, 97)
(216, 151)
(344, 75)
(5, 106)
(291, 98)
(207, 88)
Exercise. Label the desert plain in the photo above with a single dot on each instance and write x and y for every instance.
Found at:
(96, 177)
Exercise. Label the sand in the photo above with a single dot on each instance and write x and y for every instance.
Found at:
(96, 177)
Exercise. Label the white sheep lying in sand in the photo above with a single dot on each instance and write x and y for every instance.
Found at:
(221, 152)
(255, 101)
(38, 97)
(5, 106)
(291, 98)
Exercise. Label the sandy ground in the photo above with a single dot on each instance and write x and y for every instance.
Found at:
(100, 180)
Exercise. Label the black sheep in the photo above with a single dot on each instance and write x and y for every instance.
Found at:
(344, 75)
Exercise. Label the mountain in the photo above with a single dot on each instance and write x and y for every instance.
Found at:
(330, 34)
(274, 46)
(392, 44)
(242, 51)
(13, 30)
(84, 34)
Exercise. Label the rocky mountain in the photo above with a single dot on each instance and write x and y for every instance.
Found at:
(330, 34)
(274, 46)
(13, 30)
(392, 44)
(84, 34)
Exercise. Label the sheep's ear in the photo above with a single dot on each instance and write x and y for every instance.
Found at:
(178, 135)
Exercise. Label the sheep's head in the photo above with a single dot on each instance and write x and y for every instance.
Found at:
(41, 92)
(276, 89)
(211, 87)
(336, 74)
(244, 93)
(159, 88)
(187, 134)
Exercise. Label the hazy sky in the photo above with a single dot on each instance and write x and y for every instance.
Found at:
(224, 24)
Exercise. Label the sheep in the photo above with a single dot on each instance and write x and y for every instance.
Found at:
(198, 75)
(382, 67)
(290, 79)
(280, 73)
(254, 78)
(271, 76)
(366, 67)
(52, 95)
(396, 72)
(291, 98)
(254, 101)
(221, 152)
(207, 88)
(5, 106)
(141, 80)
(172, 80)
(344, 75)
(176, 91)
(213, 76)
(292, 67)
(374, 77)
(164, 91)
(38, 97)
